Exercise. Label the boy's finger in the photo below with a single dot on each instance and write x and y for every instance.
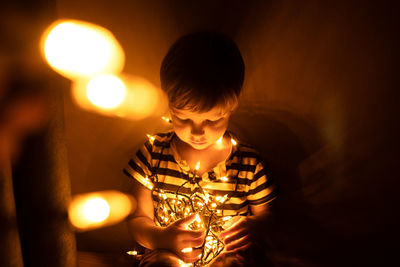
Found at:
(193, 234)
(191, 256)
(196, 242)
(185, 221)
(238, 244)
(235, 236)
(235, 227)
(236, 251)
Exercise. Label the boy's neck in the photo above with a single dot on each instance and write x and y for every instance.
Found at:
(208, 157)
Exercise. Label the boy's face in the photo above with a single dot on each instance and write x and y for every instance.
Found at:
(200, 130)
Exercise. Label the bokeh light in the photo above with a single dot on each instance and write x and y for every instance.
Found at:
(106, 91)
(98, 209)
(141, 99)
(76, 48)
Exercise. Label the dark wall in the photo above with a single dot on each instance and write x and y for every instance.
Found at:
(319, 102)
(321, 77)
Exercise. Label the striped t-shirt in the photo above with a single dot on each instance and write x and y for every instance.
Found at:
(242, 179)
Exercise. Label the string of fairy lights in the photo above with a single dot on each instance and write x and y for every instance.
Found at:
(178, 204)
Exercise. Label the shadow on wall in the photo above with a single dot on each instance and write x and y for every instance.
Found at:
(328, 65)
(280, 146)
(271, 133)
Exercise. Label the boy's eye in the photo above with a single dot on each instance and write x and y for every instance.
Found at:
(182, 120)
(213, 121)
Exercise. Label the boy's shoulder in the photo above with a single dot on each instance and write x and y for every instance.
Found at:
(245, 149)
(162, 139)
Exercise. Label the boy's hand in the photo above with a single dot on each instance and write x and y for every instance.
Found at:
(237, 237)
(176, 237)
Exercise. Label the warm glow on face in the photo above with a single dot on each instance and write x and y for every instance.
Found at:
(106, 91)
(96, 209)
(76, 48)
(199, 130)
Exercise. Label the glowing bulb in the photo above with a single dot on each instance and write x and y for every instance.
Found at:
(197, 218)
(224, 179)
(106, 91)
(96, 209)
(187, 250)
(197, 166)
(76, 48)
(226, 218)
(132, 252)
(233, 141)
(183, 264)
(166, 119)
(151, 138)
(219, 141)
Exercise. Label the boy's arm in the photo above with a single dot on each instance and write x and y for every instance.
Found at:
(141, 225)
(240, 235)
(174, 237)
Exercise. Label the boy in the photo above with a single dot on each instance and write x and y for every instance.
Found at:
(202, 75)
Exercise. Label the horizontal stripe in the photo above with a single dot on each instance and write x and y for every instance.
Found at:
(264, 200)
(142, 158)
(136, 168)
(225, 206)
(148, 148)
(163, 157)
(161, 143)
(261, 193)
(232, 163)
(127, 173)
(169, 172)
(172, 188)
(165, 134)
(241, 167)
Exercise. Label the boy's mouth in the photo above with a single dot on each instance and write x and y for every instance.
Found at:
(198, 142)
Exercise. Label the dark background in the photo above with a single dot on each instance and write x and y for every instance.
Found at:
(320, 102)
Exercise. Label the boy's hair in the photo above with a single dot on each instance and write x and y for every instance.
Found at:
(201, 71)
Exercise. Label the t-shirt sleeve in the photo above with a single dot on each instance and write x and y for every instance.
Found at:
(262, 187)
(139, 167)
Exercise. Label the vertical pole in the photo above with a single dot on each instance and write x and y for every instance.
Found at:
(10, 247)
(43, 191)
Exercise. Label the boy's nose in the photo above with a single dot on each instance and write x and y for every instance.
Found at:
(197, 129)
